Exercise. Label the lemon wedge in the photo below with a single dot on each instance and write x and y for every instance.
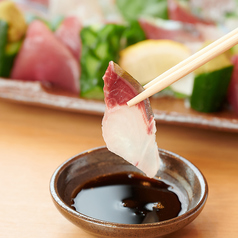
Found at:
(149, 58)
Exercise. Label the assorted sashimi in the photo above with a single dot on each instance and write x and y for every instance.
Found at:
(129, 131)
(73, 50)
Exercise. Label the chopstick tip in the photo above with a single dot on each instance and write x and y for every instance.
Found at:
(133, 101)
(129, 103)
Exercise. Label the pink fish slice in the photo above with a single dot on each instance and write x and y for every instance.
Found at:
(129, 131)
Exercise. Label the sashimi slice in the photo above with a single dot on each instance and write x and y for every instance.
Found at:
(44, 58)
(129, 131)
(177, 12)
(68, 33)
(168, 29)
(192, 35)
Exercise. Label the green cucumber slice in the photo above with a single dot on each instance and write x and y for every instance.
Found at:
(209, 90)
(8, 51)
(3, 43)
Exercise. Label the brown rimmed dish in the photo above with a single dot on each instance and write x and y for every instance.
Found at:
(97, 162)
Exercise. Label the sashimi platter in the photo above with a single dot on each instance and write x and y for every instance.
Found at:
(58, 54)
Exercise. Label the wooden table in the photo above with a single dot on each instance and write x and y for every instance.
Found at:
(35, 141)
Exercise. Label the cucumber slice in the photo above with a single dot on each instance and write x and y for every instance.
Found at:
(3, 43)
(209, 90)
(8, 51)
(11, 52)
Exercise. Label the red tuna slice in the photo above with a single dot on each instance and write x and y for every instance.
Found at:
(68, 33)
(172, 30)
(129, 131)
(233, 87)
(177, 12)
(43, 58)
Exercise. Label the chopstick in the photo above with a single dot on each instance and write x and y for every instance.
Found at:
(187, 66)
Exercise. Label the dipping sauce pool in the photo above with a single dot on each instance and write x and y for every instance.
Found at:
(128, 199)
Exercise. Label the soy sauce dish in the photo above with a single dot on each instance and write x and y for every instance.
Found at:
(106, 196)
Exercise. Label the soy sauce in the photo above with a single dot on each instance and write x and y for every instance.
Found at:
(128, 199)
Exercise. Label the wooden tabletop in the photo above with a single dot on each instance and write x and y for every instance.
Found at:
(34, 141)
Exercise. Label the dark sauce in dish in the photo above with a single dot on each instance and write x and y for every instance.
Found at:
(128, 199)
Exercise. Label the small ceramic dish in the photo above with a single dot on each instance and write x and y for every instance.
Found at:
(89, 165)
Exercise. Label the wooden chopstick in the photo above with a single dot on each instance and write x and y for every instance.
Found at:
(187, 66)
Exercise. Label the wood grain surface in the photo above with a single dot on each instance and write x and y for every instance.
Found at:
(34, 141)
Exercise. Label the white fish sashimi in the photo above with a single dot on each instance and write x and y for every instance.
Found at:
(129, 131)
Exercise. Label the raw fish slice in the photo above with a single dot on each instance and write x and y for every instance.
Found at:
(168, 29)
(177, 12)
(68, 33)
(129, 131)
(44, 58)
